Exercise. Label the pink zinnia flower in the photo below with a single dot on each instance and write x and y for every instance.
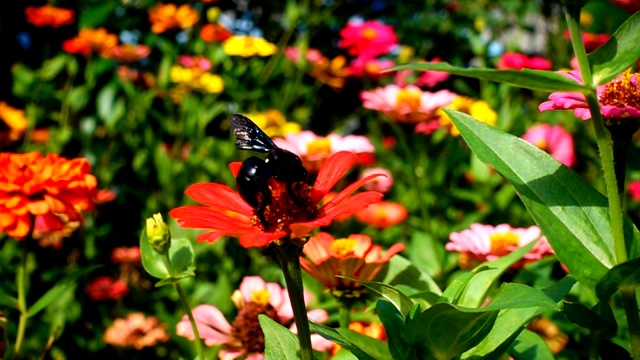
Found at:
(363, 66)
(370, 38)
(630, 6)
(520, 61)
(591, 41)
(125, 255)
(407, 104)
(314, 150)
(634, 190)
(381, 183)
(482, 243)
(429, 78)
(136, 331)
(619, 99)
(313, 56)
(244, 337)
(553, 139)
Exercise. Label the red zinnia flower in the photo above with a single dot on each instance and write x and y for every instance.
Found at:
(48, 15)
(227, 214)
(107, 288)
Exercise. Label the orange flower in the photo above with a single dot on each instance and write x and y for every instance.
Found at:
(46, 194)
(331, 72)
(164, 17)
(128, 53)
(355, 257)
(383, 214)
(48, 15)
(214, 33)
(89, 41)
(14, 120)
(136, 331)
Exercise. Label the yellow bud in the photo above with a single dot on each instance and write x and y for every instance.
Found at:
(158, 234)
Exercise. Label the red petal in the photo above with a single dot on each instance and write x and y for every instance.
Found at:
(342, 195)
(235, 168)
(351, 205)
(260, 239)
(219, 196)
(332, 170)
(199, 217)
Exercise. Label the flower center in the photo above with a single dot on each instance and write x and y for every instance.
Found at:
(321, 146)
(502, 242)
(260, 297)
(288, 203)
(542, 144)
(409, 97)
(246, 327)
(369, 33)
(372, 68)
(622, 92)
(344, 247)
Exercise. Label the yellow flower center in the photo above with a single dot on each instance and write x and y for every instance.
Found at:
(542, 144)
(369, 33)
(321, 146)
(260, 297)
(344, 247)
(409, 97)
(372, 68)
(501, 242)
(623, 91)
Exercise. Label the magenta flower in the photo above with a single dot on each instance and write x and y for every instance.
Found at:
(380, 183)
(482, 243)
(244, 337)
(407, 104)
(519, 61)
(630, 6)
(429, 78)
(370, 38)
(553, 139)
(314, 150)
(619, 99)
(634, 190)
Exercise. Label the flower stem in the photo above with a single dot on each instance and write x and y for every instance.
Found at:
(630, 304)
(21, 284)
(345, 314)
(187, 308)
(288, 255)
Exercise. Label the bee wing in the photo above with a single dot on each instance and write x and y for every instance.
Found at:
(249, 136)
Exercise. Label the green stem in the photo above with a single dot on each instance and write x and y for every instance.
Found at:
(187, 308)
(604, 141)
(21, 282)
(633, 319)
(345, 314)
(288, 255)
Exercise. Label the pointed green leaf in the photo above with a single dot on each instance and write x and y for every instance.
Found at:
(60, 287)
(151, 260)
(528, 79)
(395, 328)
(402, 271)
(625, 274)
(453, 292)
(180, 254)
(605, 325)
(444, 331)
(572, 214)
(362, 346)
(618, 54)
(280, 342)
(474, 294)
(387, 292)
(530, 346)
(8, 300)
(514, 296)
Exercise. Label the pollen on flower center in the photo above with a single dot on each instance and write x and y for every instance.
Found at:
(288, 203)
(369, 33)
(260, 297)
(344, 247)
(501, 242)
(623, 91)
(542, 144)
(246, 327)
(320, 146)
(409, 97)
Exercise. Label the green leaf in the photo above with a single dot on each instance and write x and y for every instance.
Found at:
(604, 325)
(387, 292)
(8, 300)
(528, 79)
(401, 271)
(572, 214)
(280, 342)
(625, 274)
(618, 54)
(395, 328)
(180, 255)
(510, 323)
(475, 292)
(58, 289)
(362, 346)
(445, 332)
(530, 346)
(52, 67)
(453, 292)
(514, 296)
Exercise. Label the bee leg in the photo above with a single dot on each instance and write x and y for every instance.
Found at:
(264, 200)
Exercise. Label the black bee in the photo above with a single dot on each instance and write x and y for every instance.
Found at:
(283, 165)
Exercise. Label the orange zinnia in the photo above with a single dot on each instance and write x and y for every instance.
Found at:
(164, 17)
(356, 257)
(43, 194)
(128, 53)
(214, 32)
(48, 15)
(14, 120)
(227, 214)
(383, 214)
(89, 41)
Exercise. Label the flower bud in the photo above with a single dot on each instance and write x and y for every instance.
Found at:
(158, 234)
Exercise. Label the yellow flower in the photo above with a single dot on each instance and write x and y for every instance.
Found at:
(247, 46)
(210, 83)
(14, 119)
(196, 79)
(274, 124)
(475, 108)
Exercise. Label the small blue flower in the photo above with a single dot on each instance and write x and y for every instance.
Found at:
(24, 39)
(495, 49)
